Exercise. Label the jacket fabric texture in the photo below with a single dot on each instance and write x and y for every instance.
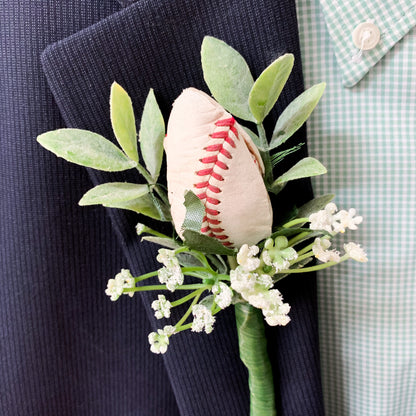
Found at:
(66, 349)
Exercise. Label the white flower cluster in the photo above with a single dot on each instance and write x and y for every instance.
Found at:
(277, 254)
(255, 287)
(159, 340)
(223, 294)
(161, 307)
(171, 274)
(122, 280)
(203, 319)
(140, 228)
(330, 220)
(320, 250)
(355, 252)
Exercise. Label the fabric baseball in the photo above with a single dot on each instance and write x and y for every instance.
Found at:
(209, 153)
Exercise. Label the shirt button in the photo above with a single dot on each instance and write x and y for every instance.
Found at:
(366, 36)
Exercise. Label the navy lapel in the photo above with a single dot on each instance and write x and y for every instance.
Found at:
(156, 43)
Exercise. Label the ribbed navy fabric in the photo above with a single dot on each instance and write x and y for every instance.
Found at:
(152, 43)
(65, 349)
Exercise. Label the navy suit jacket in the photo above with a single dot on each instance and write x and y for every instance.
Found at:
(66, 349)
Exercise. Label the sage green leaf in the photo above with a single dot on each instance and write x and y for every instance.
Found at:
(86, 148)
(253, 353)
(268, 86)
(205, 244)
(195, 212)
(122, 121)
(161, 241)
(143, 205)
(228, 76)
(314, 205)
(113, 193)
(305, 168)
(295, 114)
(151, 135)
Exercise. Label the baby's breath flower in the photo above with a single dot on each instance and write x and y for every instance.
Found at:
(346, 219)
(159, 340)
(277, 312)
(223, 295)
(356, 252)
(171, 276)
(265, 280)
(140, 228)
(241, 280)
(162, 307)
(277, 253)
(323, 219)
(203, 319)
(122, 280)
(246, 257)
(320, 250)
(167, 258)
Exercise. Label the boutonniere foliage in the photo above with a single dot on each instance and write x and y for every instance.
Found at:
(224, 249)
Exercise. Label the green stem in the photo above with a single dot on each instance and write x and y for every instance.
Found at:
(253, 352)
(295, 222)
(184, 299)
(313, 268)
(163, 287)
(150, 181)
(297, 238)
(265, 155)
(198, 294)
(144, 276)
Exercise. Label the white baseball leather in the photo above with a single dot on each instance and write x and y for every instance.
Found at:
(209, 153)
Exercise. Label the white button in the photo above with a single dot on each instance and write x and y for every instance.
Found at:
(366, 36)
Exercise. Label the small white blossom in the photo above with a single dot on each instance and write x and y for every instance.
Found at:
(346, 219)
(203, 319)
(320, 250)
(172, 277)
(122, 280)
(242, 281)
(159, 340)
(223, 295)
(277, 312)
(277, 254)
(162, 307)
(265, 280)
(167, 258)
(356, 252)
(259, 299)
(323, 219)
(247, 259)
(140, 228)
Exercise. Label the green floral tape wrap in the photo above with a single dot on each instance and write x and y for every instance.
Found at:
(253, 353)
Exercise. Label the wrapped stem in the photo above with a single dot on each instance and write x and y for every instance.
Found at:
(253, 353)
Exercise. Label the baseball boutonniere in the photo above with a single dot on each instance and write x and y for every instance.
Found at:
(219, 176)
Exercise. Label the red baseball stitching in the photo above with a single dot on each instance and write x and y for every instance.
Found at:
(210, 193)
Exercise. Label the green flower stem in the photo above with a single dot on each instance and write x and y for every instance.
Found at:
(184, 299)
(151, 231)
(150, 181)
(297, 238)
(253, 353)
(302, 257)
(305, 249)
(265, 154)
(163, 287)
(144, 276)
(313, 268)
(198, 294)
(296, 221)
(183, 328)
(223, 277)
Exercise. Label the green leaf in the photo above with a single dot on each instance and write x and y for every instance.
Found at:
(314, 205)
(295, 114)
(143, 205)
(122, 121)
(305, 168)
(113, 193)
(195, 212)
(151, 135)
(268, 86)
(279, 156)
(161, 241)
(86, 148)
(205, 244)
(228, 76)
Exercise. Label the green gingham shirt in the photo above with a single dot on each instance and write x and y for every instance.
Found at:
(364, 132)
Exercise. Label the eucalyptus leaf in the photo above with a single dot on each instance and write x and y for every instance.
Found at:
(195, 212)
(205, 244)
(314, 205)
(86, 148)
(123, 121)
(295, 114)
(305, 168)
(188, 260)
(143, 205)
(161, 241)
(113, 193)
(268, 86)
(151, 135)
(228, 76)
